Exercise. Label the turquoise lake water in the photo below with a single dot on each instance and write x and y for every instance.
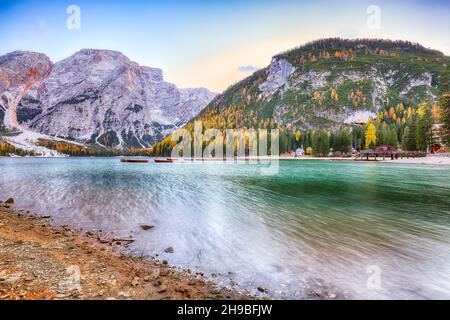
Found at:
(312, 222)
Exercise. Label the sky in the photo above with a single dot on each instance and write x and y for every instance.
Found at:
(212, 44)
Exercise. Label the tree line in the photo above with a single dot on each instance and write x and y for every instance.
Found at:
(408, 128)
(7, 150)
(76, 150)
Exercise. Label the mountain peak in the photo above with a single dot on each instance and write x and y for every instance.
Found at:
(399, 46)
(102, 52)
(97, 56)
(22, 68)
(21, 53)
(95, 95)
(330, 82)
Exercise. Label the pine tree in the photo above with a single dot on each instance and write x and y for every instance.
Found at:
(382, 133)
(357, 137)
(387, 135)
(409, 136)
(392, 139)
(405, 138)
(283, 142)
(306, 139)
(424, 125)
(444, 103)
(325, 144)
(333, 141)
(341, 141)
(320, 143)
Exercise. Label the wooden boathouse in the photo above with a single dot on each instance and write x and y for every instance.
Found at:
(388, 152)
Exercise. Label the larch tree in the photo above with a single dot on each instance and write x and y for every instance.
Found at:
(298, 135)
(371, 136)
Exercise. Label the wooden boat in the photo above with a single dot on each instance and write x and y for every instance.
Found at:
(134, 160)
(164, 160)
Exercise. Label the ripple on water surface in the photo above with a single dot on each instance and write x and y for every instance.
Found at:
(313, 221)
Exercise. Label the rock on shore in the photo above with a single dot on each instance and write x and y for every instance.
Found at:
(39, 260)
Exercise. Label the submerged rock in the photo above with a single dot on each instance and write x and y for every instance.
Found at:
(169, 250)
(9, 201)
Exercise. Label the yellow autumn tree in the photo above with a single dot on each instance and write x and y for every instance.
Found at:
(422, 109)
(334, 95)
(436, 111)
(410, 112)
(298, 135)
(371, 135)
(391, 112)
(379, 118)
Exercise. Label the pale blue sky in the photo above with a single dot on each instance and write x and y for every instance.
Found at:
(211, 43)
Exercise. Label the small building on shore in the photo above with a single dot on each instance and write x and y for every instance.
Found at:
(299, 152)
(438, 145)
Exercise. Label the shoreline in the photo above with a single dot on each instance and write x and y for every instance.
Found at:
(43, 261)
(438, 160)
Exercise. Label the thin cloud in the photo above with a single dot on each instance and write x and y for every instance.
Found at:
(42, 25)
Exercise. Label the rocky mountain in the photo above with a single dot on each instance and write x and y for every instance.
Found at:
(330, 82)
(19, 71)
(94, 96)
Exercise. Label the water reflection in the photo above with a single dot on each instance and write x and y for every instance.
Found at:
(313, 220)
